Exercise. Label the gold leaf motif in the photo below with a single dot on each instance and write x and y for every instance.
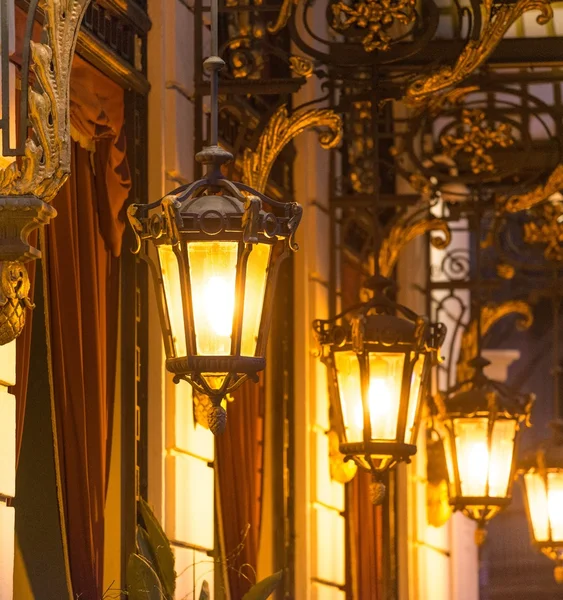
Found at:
(548, 230)
(476, 138)
(301, 66)
(46, 164)
(279, 131)
(490, 315)
(340, 470)
(497, 19)
(406, 230)
(540, 193)
(376, 17)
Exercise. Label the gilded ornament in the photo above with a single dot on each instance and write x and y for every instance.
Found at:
(496, 19)
(282, 129)
(540, 193)
(301, 66)
(341, 470)
(547, 230)
(476, 138)
(404, 231)
(283, 16)
(375, 16)
(46, 164)
(490, 315)
(14, 299)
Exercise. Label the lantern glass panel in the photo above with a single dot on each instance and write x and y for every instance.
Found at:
(537, 505)
(256, 277)
(502, 451)
(415, 399)
(170, 271)
(213, 268)
(350, 389)
(384, 393)
(555, 504)
(445, 434)
(471, 439)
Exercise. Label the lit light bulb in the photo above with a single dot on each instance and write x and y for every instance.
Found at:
(474, 476)
(381, 409)
(555, 505)
(219, 305)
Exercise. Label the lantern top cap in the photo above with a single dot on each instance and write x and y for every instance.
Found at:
(484, 395)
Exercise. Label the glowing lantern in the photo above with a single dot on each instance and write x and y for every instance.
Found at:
(378, 366)
(542, 476)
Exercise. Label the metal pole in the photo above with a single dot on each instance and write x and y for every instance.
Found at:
(556, 364)
(213, 65)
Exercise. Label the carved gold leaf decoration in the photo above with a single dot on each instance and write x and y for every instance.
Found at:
(497, 18)
(46, 164)
(404, 231)
(340, 470)
(490, 315)
(547, 231)
(279, 131)
(540, 193)
(14, 290)
(301, 66)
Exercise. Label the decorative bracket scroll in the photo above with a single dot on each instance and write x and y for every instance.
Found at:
(497, 18)
(540, 193)
(490, 315)
(46, 164)
(280, 130)
(406, 229)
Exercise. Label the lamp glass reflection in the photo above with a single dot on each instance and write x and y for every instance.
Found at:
(173, 294)
(350, 387)
(213, 277)
(384, 394)
(415, 399)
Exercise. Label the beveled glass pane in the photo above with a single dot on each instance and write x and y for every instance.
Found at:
(555, 504)
(170, 272)
(384, 395)
(537, 505)
(502, 450)
(472, 455)
(414, 399)
(349, 385)
(446, 437)
(213, 283)
(256, 276)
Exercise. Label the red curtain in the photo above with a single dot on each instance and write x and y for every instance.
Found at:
(82, 273)
(239, 472)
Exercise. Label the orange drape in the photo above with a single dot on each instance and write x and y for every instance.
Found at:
(239, 471)
(81, 248)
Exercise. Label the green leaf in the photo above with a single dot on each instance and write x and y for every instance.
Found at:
(264, 588)
(160, 547)
(142, 581)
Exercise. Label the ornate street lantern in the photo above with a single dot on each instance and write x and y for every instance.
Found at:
(479, 422)
(542, 477)
(35, 140)
(218, 247)
(379, 366)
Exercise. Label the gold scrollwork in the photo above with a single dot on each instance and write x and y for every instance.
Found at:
(14, 290)
(301, 66)
(375, 16)
(548, 230)
(540, 193)
(490, 315)
(46, 164)
(497, 19)
(279, 131)
(476, 138)
(406, 230)
(283, 16)
(341, 470)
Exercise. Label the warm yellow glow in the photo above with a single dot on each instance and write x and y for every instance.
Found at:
(537, 505)
(173, 293)
(256, 277)
(555, 504)
(414, 400)
(213, 275)
(348, 373)
(477, 467)
(386, 373)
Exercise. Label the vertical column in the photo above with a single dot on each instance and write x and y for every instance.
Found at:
(7, 468)
(319, 502)
(181, 452)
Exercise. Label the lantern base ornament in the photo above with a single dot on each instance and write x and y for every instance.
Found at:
(19, 216)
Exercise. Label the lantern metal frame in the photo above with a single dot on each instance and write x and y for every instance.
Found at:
(372, 327)
(546, 457)
(214, 209)
(479, 398)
